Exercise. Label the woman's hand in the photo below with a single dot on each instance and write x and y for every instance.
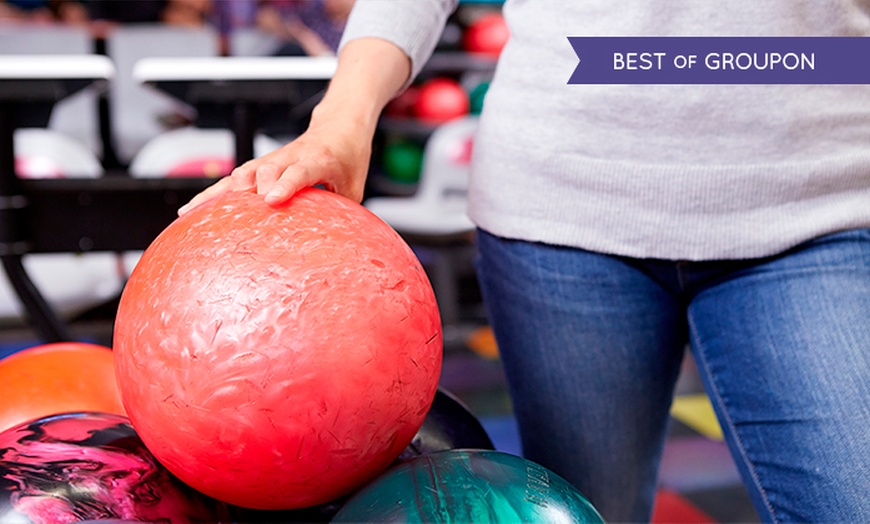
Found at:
(334, 154)
(335, 150)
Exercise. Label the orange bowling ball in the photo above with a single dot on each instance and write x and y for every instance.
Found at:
(57, 378)
(278, 358)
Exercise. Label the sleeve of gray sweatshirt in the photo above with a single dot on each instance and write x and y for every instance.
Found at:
(415, 26)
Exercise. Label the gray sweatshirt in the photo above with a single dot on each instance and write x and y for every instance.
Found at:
(680, 172)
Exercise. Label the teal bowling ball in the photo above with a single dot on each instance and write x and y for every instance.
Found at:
(476, 96)
(480, 486)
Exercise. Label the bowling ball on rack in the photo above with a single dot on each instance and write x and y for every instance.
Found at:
(477, 486)
(403, 161)
(441, 99)
(402, 106)
(91, 466)
(487, 35)
(57, 378)
(278, 358)
(477, 96)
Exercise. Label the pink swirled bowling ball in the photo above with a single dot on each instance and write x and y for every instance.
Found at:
(87, 466)
(277, 358)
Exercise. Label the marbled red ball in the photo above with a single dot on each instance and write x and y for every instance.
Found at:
(277, 358)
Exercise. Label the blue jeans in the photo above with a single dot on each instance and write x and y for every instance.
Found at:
(592, 346)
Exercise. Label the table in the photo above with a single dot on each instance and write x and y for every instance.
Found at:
(240, 83)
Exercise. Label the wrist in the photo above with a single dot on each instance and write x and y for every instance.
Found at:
(360, 117)
(370, 72)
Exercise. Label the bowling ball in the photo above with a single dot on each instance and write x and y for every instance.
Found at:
(487, 35)
(320, 513)
(403, 161)
(441, 99)
(90, 466)
(403, 104)
(448, 425)
(57, 378)
(477, 486)
(476, 97)
(451, 36)
(277, 358)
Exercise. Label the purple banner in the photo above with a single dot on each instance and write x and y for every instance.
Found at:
(721, 60)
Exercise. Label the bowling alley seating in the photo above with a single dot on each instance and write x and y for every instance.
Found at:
(434, 220)
(76, 116)
(189, 151)
(45, 153)
(140, 113)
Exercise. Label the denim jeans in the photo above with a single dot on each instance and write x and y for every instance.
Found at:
(592, 347)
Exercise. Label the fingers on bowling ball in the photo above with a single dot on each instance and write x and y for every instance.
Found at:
(450, 424)
(478, 486)
(91, 466)
(57, 378)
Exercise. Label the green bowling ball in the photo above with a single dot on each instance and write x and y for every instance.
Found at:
(480, 486)
(476, 97)
(403, 161)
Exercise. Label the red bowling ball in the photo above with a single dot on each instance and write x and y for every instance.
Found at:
(440, 100)
(487, 35)
(278, 358)
(403, 105)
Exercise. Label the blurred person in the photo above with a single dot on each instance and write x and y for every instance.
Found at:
(308, 27)
(191, 13)
(126, 11)
(63, 11)
(228, 16)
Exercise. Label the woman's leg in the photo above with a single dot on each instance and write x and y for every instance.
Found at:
(591, 348)
(784, 349)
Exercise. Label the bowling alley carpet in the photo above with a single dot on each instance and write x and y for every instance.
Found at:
(698, 481)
